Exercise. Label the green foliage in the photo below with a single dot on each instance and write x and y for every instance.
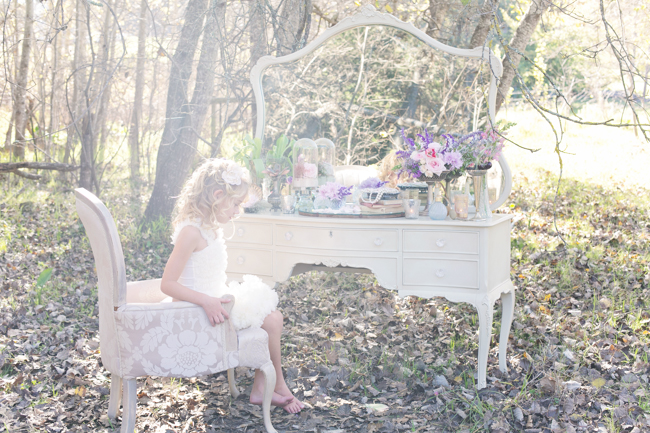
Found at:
(44, 277)
(250, 155)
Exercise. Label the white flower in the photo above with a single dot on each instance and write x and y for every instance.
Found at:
(187, 353)
(233, 174)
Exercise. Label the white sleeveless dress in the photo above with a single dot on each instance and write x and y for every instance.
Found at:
(205, 272)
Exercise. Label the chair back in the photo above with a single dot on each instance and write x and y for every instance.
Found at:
(111, 273)
(353, 175)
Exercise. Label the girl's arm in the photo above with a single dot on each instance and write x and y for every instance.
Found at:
(188, 241)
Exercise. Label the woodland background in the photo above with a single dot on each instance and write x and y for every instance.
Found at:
(124, 98)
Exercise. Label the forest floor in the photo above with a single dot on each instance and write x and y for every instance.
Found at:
(363, 359)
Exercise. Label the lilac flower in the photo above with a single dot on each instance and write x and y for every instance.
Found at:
(453, 160)
(372, 182)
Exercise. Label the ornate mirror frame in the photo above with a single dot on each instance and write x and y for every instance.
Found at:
(369, 16)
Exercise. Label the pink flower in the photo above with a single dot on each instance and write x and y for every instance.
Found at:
(310, 170)
(418, 155)
(435, 146)
(435, 165)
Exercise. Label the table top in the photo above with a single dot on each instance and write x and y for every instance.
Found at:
(278, 217)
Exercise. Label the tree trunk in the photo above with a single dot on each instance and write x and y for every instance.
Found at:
(479, 37)
(518, 45)
(185, 120)
(134, 132)
(53, 111)
(74, 105)
(294, 19)
(20, 102)
(96, 100)
(437, 12)
(105, 83)
(259, 46)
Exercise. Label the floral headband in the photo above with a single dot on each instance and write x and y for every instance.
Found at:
(233, 173)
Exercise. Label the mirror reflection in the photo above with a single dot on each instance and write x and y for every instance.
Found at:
(361, 87)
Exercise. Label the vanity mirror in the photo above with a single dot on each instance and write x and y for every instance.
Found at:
(364, 80)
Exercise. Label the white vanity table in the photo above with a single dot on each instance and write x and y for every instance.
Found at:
(461, 261)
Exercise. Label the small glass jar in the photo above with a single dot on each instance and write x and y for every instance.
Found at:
(461, 206)
(288, 204)
(326, 158)
(305, 202)
(411, 208)
(305, 164)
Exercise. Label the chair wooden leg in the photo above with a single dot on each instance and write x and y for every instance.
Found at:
(116, 396)
(130, 399)
(269, 387)
(231, 382)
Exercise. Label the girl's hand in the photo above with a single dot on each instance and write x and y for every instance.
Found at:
(212, 307)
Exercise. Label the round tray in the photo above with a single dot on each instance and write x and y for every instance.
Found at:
(352, 215)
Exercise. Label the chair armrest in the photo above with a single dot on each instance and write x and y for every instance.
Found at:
(146, 291)
(160, 306)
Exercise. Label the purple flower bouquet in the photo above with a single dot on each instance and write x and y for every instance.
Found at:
(426, 158)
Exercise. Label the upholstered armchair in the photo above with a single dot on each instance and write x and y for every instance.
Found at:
(142, 336)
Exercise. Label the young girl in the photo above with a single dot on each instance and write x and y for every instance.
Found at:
(196, 270)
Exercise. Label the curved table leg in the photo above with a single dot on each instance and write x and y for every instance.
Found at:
(485, 314)
(508, 308)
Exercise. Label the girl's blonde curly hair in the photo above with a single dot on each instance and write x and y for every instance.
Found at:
(197, 200)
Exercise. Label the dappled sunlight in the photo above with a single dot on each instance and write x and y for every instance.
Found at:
(601, 155)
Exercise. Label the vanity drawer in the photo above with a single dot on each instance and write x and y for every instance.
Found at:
(439, 241)
(254, 233)
(337, 239)
(254, 262)
(443, 273)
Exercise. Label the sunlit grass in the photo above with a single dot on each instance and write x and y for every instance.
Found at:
(601, 155)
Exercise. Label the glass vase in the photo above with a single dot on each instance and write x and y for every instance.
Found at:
(451, 184)
(275, 199)
(431, 183)
(481, 199)
(305, 164)
(326, 157)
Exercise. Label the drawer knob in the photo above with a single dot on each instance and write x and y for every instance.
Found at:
(440, 243)
(379, 241)
(240, 260)
(240, 232)
(440, 273)
(288, 236)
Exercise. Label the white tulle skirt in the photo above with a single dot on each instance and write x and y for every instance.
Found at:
(254, 300)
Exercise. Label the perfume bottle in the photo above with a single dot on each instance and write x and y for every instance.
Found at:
(437, 210)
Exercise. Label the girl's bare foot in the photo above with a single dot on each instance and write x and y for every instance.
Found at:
(257, 397)
(294, 405)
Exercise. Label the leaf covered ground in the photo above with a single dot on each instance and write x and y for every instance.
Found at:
(363, 359)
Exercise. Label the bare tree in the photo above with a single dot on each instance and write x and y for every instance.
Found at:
(78, 75)
(185, 118)
(20, 93)
(518, 44)
(486, 18)
(294, 23)
(136, 116)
